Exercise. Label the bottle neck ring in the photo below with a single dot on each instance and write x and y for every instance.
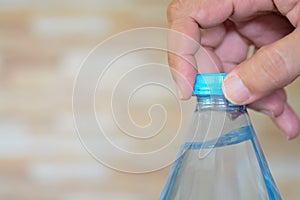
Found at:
(217, 102)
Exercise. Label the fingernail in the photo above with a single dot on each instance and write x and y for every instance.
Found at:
(269, 113)
(179, 93)
(235, 90)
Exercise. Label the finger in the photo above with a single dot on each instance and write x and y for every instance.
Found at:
(276, 106)
(264, 29)
(270, 68)
(288, 122)
(222, 49)
(231, 45)
(271, 105)
(207, 60)
(232, 50)
(183, 43)
(214, 12)
(290, 9)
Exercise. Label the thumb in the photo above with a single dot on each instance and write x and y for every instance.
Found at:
(272, 67)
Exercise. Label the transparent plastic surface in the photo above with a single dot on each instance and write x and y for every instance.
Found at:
(221, 158)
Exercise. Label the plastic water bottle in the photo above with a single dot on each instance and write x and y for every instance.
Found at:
(221, 158)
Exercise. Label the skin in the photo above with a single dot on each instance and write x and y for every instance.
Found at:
(225, 29)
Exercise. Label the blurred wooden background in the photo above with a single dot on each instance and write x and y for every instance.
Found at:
(42, 44)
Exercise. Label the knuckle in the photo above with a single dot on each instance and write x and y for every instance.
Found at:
(275, 66)
(294, 14)
(171, 60)
(175, 9)
(276, 104)
(172, 9)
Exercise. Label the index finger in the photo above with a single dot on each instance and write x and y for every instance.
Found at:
(182, 46)
(185, 45)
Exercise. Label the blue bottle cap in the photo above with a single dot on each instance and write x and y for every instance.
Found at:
(209, 84)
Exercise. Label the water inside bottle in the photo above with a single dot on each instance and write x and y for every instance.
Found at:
(217, 185)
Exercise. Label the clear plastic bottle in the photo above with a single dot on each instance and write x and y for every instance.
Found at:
(221, 158)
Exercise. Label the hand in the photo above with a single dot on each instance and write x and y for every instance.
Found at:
(225, 29)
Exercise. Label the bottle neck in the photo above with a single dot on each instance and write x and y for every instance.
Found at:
(217, 102)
